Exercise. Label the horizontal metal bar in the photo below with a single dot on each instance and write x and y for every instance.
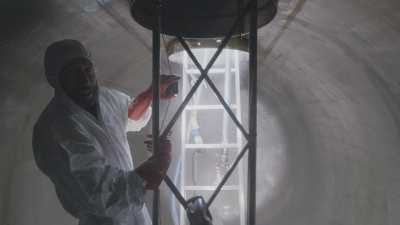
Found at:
(212, 70)
(207, 107)
(227, 175)
(211, 146)
(211, 188)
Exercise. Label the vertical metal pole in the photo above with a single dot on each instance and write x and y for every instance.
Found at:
(156, 100)
(185, 84)
(251, 214)
(239, 138)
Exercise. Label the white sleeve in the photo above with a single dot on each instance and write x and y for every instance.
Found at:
(102, 189)
(137, 125)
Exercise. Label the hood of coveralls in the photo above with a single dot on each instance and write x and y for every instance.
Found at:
(58, 55)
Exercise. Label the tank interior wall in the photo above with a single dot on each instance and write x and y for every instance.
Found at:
(329, 105)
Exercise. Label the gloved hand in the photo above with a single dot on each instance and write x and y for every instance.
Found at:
(168, 90)
(154, 170)
(168, 86)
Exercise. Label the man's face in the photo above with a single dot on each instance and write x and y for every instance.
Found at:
(78, 80)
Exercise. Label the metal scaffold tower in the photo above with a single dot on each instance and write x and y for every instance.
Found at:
(185, 19)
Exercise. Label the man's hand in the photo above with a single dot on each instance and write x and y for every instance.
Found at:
(154, 170)
(168, 90)
(168, 86)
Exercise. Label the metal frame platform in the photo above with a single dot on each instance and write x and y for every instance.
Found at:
(250, 134)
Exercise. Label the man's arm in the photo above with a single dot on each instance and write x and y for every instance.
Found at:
(139, 106)
(109, 190)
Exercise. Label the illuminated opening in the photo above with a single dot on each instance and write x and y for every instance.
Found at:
(210, 141)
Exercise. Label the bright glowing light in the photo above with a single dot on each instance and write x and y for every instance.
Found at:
(209, 139)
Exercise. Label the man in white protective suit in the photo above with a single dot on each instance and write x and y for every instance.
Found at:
(80, 142)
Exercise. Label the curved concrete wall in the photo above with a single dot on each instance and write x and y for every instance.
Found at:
(329, 91)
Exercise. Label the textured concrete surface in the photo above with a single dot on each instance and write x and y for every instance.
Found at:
(329, 108)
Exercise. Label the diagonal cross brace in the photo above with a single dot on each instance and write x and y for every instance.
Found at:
(205, 71)
(227, 175)
(203, 76)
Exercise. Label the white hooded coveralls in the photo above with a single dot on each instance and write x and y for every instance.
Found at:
(89, 160)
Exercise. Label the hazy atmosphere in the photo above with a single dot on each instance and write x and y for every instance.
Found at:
(328, 108)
